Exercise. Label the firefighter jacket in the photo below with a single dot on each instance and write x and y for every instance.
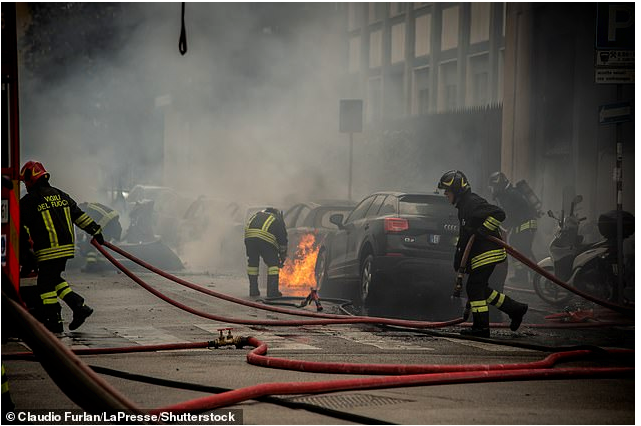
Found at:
(477, 216)
(519, 214)
(106, 217)
(266, 226)
(47, 216)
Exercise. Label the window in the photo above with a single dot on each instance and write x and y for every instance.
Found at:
(354, 54)
(376, 49)
(394, 96)
(354, 16)
(398, 43)
(478, 81)
(374, 99)
(421, 101)
(480, 22)
(373, 209)
(397, 8)
(388, 207)
(359, 211)
(304, 212)
(449, 28)
(290, 217)
(422, 31)
(376, 11)
(447, 86)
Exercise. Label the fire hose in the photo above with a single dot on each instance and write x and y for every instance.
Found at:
(536, 268)
(330, 319)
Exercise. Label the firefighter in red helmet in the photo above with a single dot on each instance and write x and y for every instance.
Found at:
(478, 217)
(47, 216)
(266, 237)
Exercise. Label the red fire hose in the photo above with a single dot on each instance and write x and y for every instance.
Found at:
(536, 268)
(476, 376)
(340, 319)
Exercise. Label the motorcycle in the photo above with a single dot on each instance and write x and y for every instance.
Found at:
(590, 268)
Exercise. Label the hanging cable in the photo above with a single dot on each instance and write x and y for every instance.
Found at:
(182, 43)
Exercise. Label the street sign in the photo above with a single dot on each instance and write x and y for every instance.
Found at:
(615, 58)
(615, 26)
(615, 113)
(614, 75)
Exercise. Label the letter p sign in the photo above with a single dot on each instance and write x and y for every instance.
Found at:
(615, 26)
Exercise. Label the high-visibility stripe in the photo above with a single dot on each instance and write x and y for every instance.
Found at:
(488, 257)
(83, 220)
(257, 233)
(107, 218)
(268, 222)
(5, 386)
(66, 250)
(53, 236)
(48, 295)
(530, 224)
(252, 270)
(496, 295)
(491, 223)
(272, 270)
(478, 306)
(63, 289)
(67, 211)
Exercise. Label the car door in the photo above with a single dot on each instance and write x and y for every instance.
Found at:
(361, 232)
(336, 264)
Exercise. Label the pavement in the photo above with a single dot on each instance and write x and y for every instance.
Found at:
(127, 315)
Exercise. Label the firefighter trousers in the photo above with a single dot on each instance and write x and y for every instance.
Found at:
(257, 248)
(52, 286)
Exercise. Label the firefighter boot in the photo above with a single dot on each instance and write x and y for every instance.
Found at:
(80, 311)
(253, 286)
(272, 286)
(52, 319)
(480, 326)
(515, 310)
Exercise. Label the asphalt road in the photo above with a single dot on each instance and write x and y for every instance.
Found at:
(127, 315)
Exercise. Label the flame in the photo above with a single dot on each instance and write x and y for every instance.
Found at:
(297, 275)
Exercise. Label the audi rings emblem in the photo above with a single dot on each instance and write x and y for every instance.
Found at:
(449, 227)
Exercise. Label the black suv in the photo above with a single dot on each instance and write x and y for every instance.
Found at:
(392, 242)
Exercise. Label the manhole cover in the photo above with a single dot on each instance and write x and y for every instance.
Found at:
(350, 401)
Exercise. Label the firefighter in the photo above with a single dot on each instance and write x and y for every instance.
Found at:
(478, 217)
(109, 221)
(266, 237)
(520, 221)
(47, 216)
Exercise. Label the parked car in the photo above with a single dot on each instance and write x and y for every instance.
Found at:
(391, 243)
(312, 217)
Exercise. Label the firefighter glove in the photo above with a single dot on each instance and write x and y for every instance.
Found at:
(99, 238)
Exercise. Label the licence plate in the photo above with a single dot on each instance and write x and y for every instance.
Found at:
(434, 238)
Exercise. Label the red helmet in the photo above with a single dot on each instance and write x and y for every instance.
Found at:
(31, 172)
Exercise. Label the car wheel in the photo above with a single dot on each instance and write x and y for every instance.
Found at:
(323, 284)
(369, 283)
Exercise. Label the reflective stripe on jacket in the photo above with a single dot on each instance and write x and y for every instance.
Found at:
(47, 216)
(268, 227)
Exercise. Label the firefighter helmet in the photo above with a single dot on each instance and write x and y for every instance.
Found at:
(455, 182)
(498, 182)
(32, 172)
(274, 211)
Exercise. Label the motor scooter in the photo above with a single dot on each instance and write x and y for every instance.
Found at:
(590, 268)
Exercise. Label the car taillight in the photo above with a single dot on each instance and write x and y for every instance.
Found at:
(393, 224)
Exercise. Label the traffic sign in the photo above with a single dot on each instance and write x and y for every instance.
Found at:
(615, 113)
(614, 75)
(615, 26)
(615, 58)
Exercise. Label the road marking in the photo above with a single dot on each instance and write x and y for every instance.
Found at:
(492, 347)
(146, 335)
(371, 339)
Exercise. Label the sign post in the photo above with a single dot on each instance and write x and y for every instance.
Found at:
(350, 121)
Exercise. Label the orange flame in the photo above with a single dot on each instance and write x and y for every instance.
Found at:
(297, 275)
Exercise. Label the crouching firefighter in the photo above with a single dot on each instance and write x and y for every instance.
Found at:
(109, 221)
(266, 237)
(478, 217)
(47, 216)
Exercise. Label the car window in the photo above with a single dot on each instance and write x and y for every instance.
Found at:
(373, 209)
(389, 206)
(424, 205)
(290, 216)
(359, 211)
(304, 212)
